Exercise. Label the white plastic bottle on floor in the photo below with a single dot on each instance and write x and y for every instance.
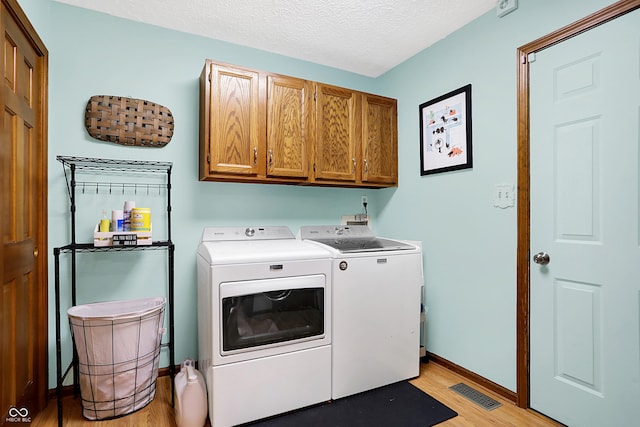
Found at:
(191, 396)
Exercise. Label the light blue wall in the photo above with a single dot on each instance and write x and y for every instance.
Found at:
(469, 245)
(92, 54)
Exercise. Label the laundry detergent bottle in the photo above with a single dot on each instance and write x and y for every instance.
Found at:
(191, 396)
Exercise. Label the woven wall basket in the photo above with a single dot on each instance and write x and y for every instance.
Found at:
(128, 121)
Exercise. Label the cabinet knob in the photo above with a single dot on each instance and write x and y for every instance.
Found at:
(366, 166)
(354, 165)
(35, 252)
(255, 156)
(270, 157)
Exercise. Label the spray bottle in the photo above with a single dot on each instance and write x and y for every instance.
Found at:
(104, 222)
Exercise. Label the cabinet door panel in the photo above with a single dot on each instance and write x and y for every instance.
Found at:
(288, 106)
(234, 121)
(379, 139)
(336, 133)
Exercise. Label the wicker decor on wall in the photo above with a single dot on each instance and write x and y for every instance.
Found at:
(128, 121)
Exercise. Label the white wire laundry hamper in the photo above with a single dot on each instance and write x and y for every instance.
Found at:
(118, 346)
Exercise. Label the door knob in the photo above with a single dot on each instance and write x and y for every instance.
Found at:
(541, 258)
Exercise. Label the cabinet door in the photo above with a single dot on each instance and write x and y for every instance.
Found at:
(288, 114)
(379, 139)
(337, 135)
(234, 121)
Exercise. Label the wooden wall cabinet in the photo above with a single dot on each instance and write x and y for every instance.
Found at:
(263, 127)
(232, 122)
(379, 140)
(356, 137)
(289, 106)
(337, 134)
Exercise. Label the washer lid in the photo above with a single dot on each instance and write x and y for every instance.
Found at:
(375, 244)
(351, 238)
(236, 252)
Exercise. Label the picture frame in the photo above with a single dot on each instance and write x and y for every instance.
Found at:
(446, 132)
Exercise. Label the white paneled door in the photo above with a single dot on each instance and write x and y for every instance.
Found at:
(585, 235)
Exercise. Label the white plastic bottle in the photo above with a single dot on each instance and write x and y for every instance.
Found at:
(191, 396)
(126, 214)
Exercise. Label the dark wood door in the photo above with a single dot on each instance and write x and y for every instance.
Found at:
(23, 217)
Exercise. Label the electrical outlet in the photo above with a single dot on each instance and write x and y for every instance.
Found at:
(506, 6)
(357, 219)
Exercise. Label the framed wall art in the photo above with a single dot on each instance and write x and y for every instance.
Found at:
(445, 132)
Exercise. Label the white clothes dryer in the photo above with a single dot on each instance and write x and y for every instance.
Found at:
(264, 322)
(377, 287)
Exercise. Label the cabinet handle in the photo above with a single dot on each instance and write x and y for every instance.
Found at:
(366, 166)
(270, 157)
(354, 165)
(255, 156)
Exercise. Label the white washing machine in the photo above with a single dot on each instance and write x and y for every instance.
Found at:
(264, 322)
(377, 288)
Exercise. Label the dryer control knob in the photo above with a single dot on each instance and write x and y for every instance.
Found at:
(249, 231)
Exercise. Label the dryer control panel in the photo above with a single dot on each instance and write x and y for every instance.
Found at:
(218, 234)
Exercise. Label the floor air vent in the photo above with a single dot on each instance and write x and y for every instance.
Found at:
(475, 396)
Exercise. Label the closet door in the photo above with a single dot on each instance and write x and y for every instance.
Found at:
(23, 218)
(585, 234)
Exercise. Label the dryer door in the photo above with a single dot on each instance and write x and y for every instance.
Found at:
(267, 313)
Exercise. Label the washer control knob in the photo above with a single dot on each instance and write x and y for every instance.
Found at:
(249, 231)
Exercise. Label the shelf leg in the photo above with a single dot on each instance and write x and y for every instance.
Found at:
(172, 362)
(59, 379)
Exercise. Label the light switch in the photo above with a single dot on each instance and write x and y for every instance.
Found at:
(504, 196)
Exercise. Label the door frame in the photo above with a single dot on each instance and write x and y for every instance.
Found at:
(523, 250)
(13, 8)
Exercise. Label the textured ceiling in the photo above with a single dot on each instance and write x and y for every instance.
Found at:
(366, 37)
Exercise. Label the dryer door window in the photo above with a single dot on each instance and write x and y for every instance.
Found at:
(266, 312)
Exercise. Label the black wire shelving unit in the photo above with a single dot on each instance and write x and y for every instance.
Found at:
(118, 169)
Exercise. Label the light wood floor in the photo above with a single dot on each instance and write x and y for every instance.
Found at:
(434, 379)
